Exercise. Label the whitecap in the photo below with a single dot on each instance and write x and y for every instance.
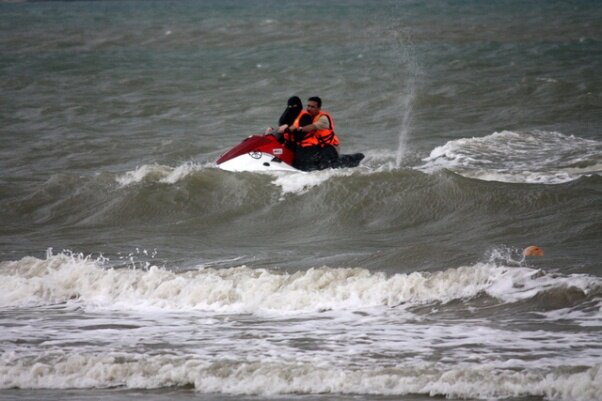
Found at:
(159, 173)
(536, 157)
(257, 376)
(92, 283)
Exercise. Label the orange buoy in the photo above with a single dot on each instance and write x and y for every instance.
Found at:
(533, 251)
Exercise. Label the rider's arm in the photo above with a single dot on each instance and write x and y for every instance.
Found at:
(321, 123)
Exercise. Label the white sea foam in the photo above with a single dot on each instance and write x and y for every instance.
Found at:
(590, 317)
(68, 278)
(335, 330)
(60, 370)
(375, 161)
(289, 182)
(538, 157)
(159, 173)
(301, 183)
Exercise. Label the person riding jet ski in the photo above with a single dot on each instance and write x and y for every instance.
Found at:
(311, 137)
(309, 134)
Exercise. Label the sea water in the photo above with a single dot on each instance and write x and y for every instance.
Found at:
(131, 268)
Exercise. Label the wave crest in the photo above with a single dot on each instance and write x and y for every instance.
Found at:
(91, 282)
(60, 370)
(535, 157)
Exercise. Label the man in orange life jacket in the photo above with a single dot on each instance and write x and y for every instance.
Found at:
(316, 143)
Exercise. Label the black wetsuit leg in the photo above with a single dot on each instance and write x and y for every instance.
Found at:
(328, 157)
(315, 158)
(306, 158)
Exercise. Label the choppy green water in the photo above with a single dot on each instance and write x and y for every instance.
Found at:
(481, 125)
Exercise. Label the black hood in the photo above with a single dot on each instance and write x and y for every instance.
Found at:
(293, 108)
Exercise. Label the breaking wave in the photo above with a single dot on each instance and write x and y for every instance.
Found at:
(159, 173)
(60, 370)
(92, 283)
(533, 157)
(288, 182)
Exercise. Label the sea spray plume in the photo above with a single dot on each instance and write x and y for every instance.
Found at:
(407, 57)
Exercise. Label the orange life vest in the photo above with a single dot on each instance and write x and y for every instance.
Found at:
(309, 139)
(298, 119)
(320, 137)
(327, 136)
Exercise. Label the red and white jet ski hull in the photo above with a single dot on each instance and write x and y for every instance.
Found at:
(264, 153)
(256, 161)
(258, 153)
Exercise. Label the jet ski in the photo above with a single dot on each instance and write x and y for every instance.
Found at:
(266, 153)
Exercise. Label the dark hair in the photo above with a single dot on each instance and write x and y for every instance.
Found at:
(317, 100)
